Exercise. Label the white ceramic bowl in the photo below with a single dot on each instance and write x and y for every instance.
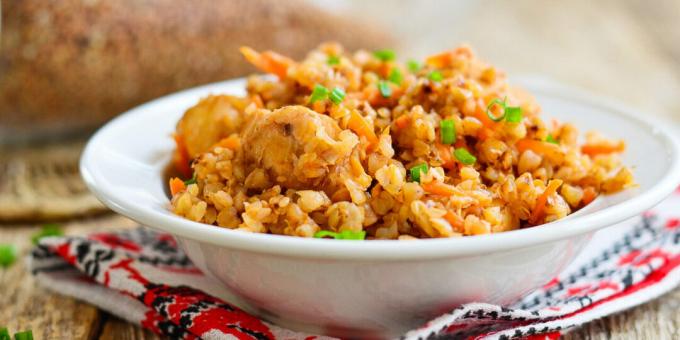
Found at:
(352, 288)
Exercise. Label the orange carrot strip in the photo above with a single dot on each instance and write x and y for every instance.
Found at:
(181, 157)
(460, 143)
(597, 149)
(439, 188)
(456, 221)
(385, 69)
(539, 209)
(484, 133)
(369, 93)
(536, 146)
(375, 98)
(589, 194)
(440, 60)
(358, 124)
(446, 155)
(270, 62)
(480, 114)
(232, 142)
(176, 185)
(402, 121)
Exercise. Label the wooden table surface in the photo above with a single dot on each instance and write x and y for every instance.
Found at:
(628, 50)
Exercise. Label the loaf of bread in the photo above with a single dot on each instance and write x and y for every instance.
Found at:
(70, 65)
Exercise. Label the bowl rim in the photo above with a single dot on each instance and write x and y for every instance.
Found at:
(392, 249)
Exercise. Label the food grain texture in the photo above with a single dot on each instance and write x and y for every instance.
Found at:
(71, 65)
(362, 143)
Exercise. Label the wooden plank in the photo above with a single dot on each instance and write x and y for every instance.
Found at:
(117, 329)
(26, 305)
(658, 319)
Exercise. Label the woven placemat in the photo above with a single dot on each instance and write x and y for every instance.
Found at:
(42, 183)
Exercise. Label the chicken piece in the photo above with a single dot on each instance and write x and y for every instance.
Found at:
(298, 148)
(206, 123)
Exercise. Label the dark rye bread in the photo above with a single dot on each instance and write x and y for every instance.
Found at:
(70, 65)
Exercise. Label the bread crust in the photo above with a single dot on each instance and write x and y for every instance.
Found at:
(71, 65)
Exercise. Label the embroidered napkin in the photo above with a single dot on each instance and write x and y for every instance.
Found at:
(141, 275)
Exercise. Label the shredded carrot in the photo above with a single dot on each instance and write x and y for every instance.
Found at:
(369, 93)
(358, 124)
(439, 188)
(539, 209)
(484, 133)
(181, 157)
(440, 60)
(456, 221)
(480, 113)
(536, 146)
(402, 121)
(460, 143)
(176, 185)
(270, 62)
(589, 195)
(597, 149)
(385, 69)
(446, 154)
(375, 98)
(232, 142)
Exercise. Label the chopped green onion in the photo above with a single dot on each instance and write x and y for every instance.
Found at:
(395, 76)
(8, 254)
(551, 139)
(496, 101)
(337, 95)
(413, 65)
(4, 334)
(319, 93)
(333, 60)
(513, 114)
(464, 156)
(351, 235)
(25, 335)
(435, 76)
(385, 55)
(51, 229)
(416, 170)
(343, 235)
(385, 89)
(192, 180)
(448, 131)
(325, 233)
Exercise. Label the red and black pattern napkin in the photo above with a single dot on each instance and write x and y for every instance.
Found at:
(140, 275)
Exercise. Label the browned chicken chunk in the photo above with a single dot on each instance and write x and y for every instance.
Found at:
(296, 148)
(213, 118)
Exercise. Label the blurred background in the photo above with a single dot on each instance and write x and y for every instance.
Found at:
(68, 66)
(625, 49)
